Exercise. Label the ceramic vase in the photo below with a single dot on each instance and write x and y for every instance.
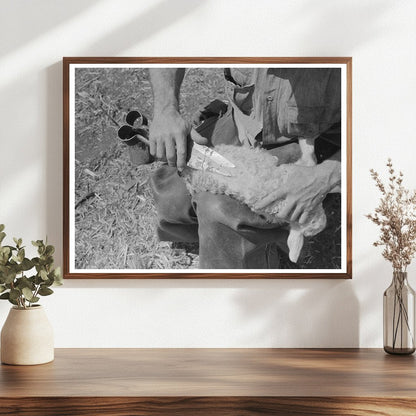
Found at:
(27, 337)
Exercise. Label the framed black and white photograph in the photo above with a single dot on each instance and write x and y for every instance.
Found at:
(207, 167)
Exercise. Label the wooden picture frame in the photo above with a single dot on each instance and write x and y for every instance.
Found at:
(85, 100)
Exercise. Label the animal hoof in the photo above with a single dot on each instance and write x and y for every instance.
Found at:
(295, 244)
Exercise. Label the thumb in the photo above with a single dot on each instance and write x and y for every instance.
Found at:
(197, 138)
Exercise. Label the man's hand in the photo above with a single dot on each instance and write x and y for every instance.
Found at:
(304, 189)
(170, 137)
(169, 133)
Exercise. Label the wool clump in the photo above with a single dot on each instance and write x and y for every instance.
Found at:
(255, 176)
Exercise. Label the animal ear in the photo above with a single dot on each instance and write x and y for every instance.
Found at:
(295, 244)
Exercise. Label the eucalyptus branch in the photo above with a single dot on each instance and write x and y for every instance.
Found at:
(15, 286)
(35, 294)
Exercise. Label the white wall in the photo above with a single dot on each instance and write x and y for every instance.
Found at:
(380, 35)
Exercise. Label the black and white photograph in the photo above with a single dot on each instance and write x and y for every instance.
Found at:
(207, 169)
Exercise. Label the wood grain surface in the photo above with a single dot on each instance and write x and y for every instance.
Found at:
(212, 381)
(67, 61)
(208, 406)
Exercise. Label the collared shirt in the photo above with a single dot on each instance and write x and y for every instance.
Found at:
(284, 103)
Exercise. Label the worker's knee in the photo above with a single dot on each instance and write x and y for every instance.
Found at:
(212, 208)
(172, 199)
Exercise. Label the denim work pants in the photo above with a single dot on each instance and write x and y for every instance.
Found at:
(230, 235)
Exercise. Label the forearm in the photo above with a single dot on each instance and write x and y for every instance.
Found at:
(166, 84)
(168, 133)
(330, 172)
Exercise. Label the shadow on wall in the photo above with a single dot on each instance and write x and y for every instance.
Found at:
(351, 24)
(375, 276)
(4, 311)
(45, 15)
(301, 313)
(54, 146)
(133, 31)
(160, 16)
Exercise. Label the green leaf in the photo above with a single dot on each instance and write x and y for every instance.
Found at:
(11, 248)
(24, 282)
(9, 277)
(12, 267)
(50, 282)
(4, 257)
(37, 243)
(27, 293)
(49, 250)
(2, 236)
(2, 227)
(45, 291)
(21, 255)
(38, 280)
(26, 264)
(55, 273)
(17, 241)
(48, 260)
(13, 302)
(31, 298)
(15, 294)
(43, 274)
(7, 296)
(58, 280)
(5, 250)
(2, 288)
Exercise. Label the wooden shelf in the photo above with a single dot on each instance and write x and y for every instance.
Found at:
(212, 382)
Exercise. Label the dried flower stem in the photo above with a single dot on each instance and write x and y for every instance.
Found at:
(396, 217)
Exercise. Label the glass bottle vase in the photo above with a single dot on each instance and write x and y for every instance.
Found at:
(399, 316)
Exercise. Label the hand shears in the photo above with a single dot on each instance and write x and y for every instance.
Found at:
(202, 157)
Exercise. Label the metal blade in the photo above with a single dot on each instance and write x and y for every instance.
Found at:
(212, 155)
(205, 159)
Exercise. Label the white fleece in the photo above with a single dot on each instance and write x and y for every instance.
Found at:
(254, 177)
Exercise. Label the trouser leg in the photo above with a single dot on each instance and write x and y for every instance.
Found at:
(177, 220)
(231, 236)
